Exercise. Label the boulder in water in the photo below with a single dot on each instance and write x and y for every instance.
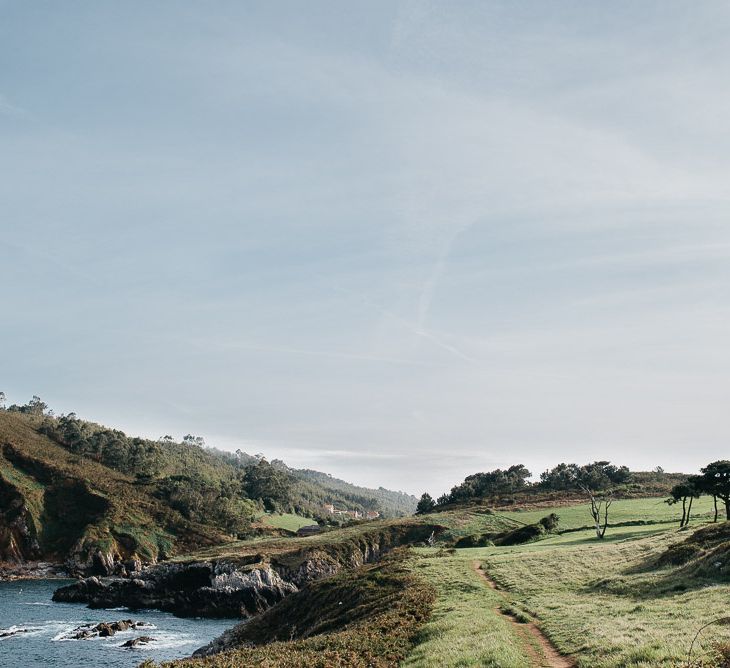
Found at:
(105, 629)
(134, 642)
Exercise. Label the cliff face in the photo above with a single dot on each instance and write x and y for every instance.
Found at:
(239, 587)
(18, 529)
(49, 514)
(73, 511)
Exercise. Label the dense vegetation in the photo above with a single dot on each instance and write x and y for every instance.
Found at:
(206, 484)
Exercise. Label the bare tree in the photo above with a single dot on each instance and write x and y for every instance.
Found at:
(600, 503)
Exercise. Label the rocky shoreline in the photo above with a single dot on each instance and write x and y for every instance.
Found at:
(198, 589)
(32, 570)
(235, 588)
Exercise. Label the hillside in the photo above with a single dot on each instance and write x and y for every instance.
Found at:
(344, 494)
(59, 507)
(568, 600)
(377, 595)
(78, 492)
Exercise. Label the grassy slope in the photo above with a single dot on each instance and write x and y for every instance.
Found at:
(288, 521)
(630, 619)
(595, 602)
(602, 602)
(464, 630)
(130, 514)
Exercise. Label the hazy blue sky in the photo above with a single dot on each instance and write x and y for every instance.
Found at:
(399, 242)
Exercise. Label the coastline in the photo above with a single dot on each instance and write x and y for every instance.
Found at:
(33, 570)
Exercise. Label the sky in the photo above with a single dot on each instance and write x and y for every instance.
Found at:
(399, 242)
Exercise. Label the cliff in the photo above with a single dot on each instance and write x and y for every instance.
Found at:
(244, 585)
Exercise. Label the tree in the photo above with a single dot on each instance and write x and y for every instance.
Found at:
(35, 406)
(491, 483)
(425, 505)
(2, 400)
(600, 503)
(269, 485)
(197, 441)
(682, 492)
(715, 480)
(598, 475)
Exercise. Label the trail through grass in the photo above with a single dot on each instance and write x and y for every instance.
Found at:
(600, 601)
(464, 629)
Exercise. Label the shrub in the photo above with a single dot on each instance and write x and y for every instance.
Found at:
(550, 522)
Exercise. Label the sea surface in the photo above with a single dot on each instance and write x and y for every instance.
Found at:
(26, 604)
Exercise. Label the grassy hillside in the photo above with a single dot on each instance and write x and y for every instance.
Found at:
(72, 489)
(346, 495)
(612, 605)
(635, 598)
(623, 511)
(59, 506)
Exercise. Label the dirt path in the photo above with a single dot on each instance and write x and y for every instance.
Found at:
(547, 656)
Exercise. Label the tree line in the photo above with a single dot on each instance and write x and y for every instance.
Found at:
(714, 481)
(515, 479)
(596, 481)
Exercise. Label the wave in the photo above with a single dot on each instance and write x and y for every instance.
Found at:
(166, 640)
(28, 630)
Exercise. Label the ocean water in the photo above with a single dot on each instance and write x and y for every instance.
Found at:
(27, 604)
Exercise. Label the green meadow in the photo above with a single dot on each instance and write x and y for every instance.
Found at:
(601, 603)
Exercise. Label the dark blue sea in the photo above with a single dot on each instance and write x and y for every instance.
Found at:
(27, 605)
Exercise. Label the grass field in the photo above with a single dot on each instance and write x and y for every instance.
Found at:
(287, 521)
(597, 602)
(464, 629)
(600, 602)
(653, 510)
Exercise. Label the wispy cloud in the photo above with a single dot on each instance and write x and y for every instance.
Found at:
(9, 109)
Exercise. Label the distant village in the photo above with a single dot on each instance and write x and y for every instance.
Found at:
(354, 514)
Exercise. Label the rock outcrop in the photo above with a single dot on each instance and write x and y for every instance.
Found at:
(207, 589)
(241, 587)
(104, 629)
(135, 642)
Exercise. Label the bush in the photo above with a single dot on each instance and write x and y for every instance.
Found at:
(550, 522)
(522, 535)
(474, 540)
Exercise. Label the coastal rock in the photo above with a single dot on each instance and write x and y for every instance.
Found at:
(197, 589)
(104, 629)
(31, 570)
(9, 633)
(134, 642)
(239, 588)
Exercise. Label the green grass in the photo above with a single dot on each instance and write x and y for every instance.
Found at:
(589, 596)
(287, 521)
(599, 602)
(464, 629)
(622, 510)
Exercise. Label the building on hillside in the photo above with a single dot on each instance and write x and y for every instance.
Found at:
(330, 509)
